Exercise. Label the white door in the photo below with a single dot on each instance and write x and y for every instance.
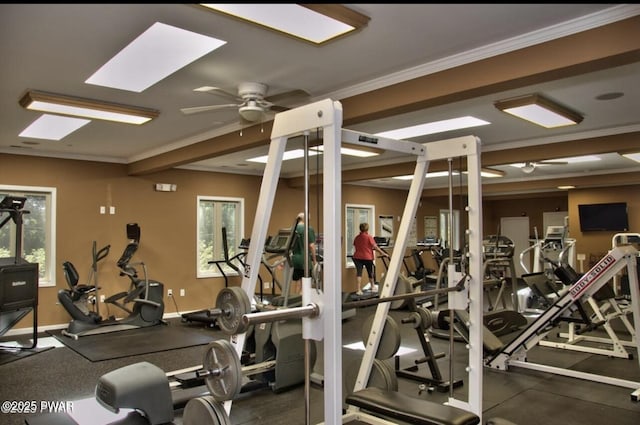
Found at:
(517, 229)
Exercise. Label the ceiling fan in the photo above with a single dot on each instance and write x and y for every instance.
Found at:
(251, 101)
(530, 166)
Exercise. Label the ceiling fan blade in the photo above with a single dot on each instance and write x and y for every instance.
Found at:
(198, 109)
(218, 92)
(553, 162)
(291, 95)
(278, 108)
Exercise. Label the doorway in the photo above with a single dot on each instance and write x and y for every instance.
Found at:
(517, 229)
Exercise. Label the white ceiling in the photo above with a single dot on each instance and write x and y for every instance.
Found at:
(56, 47)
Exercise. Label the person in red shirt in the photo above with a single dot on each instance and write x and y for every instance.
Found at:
(363, 255)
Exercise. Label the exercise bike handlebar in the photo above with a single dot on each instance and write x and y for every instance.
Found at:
(100, 255)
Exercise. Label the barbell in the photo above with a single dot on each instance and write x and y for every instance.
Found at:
(234, 316)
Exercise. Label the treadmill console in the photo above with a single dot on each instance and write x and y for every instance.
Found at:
(554, 234)
(382, 242)
(244, 244)
(281, 243)
(497, 246)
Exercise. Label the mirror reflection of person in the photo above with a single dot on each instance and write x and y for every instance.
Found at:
(298, 254)
(363, 255)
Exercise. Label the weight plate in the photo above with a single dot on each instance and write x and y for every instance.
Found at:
(390, 372)
(200, 411)
(378, 378)
(222, 414)
(426, 317)
(224, 377)
(402, 287)
(233, 303)
(414, 319)
(390, 339)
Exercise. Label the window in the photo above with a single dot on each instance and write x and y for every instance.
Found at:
(444, 229)
(38, 230)
(214, 214)
(354, 215)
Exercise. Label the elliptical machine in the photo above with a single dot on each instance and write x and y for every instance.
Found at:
(146, 296)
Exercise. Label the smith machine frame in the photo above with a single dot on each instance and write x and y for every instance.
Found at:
(327, 324)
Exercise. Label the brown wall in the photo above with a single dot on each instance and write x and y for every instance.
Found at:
(595, 244)
(168, 221)
(532, 206)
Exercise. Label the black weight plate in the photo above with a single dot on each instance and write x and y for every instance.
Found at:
(390, 339)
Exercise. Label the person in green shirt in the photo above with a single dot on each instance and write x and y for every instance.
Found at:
(298, 254)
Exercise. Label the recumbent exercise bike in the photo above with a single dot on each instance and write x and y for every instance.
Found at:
(145, 294)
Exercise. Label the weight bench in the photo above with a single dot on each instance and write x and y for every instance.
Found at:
(409, 409)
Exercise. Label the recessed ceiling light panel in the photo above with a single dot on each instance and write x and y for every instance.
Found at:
(326, 22)
(154, 55)
(86, 108)
(539, 110)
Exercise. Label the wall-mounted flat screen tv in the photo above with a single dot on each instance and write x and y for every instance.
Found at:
(608, 217)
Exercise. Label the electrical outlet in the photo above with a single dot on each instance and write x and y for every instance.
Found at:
(267, 285)
(101, 298)
(170, 292)
(182, 292)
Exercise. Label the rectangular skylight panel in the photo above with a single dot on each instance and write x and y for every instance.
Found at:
(292, 154)
(288, 18)
(428, 175)
(578, 159)
(349, 151)
(433, 128)
(154, 55)
(53, 127)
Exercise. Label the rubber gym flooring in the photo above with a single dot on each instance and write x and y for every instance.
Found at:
(524, 397)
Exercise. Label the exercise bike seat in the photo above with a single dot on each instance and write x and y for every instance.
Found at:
(72, 277)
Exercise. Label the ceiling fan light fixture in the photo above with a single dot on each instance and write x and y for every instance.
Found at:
(539, 110)
(251, 112)
(528, 167)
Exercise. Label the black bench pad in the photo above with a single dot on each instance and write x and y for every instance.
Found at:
(409, 409)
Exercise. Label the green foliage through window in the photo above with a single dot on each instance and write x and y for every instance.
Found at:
(214, 216)
(38, 244)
